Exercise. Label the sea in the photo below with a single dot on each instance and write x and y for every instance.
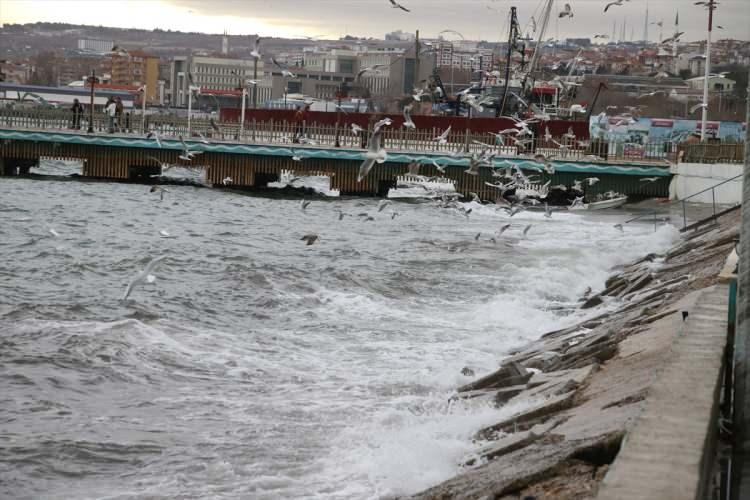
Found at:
(253, 365)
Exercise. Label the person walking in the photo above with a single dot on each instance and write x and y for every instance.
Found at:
(77, 110)
(119, 108)
(110, 109)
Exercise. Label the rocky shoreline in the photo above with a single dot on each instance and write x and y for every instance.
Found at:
(571, 396)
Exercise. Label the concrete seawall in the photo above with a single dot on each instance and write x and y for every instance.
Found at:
(621, 406)
(689, 178)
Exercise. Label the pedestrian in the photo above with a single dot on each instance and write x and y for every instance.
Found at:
(77, 110)
(110, 108)
(299, 117)
(119, 108)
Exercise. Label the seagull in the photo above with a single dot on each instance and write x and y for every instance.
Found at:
(375, 151)
(619, 227)
(227, 181)
(673, 38)
(567, 11)
(475, 197)
(526, 229)
(397, 5)
(407, 117)
(54, 233)
(369, 69)
(591, 180)
(578, 202)
(309, 239)
(503, 229)
(296, 156)
(649, 179)
(438, 167)
(413, 168)
(203, 138)
(256, 49)
(304, 204)
(165, 234)
(160, 190)
(443, 138)
(144, 275)
(187, 155)
(284, 71)
(356, 128)
(477, 236)
(695, 108)
(611, 4)
(383, 204)
(153, 135)
(601, 36)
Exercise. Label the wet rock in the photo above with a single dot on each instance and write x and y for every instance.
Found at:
(509, 374)
(592, 302)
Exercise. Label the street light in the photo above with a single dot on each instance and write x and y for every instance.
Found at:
(92, 82)
(142, 89)
(711, 6)
(191, 89)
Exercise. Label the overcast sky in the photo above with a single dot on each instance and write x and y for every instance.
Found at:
(475, 19)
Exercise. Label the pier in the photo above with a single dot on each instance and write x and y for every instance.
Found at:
(255, 152)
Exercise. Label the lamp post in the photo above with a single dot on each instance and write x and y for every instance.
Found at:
(242, 112)
(143, 108)
(92, 82)
(711, 5)
(191, 89)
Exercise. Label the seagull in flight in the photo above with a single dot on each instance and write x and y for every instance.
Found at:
(397, 5)
(284, 70)
(649, 179)
(700, 105)
(160, 190)
(256, 48)
(611, 4)
(375, 151)
(309, 239)
(443, 138)
(356, 128)
(369, 69)
(154, 136)
(187, 155)
(227, 181)
(438, 167)
(144, 275)
(566, 12)
(408, 123)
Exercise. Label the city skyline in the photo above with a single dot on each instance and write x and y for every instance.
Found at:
(331, 19)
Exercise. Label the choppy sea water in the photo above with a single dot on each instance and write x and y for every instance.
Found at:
(256, 366)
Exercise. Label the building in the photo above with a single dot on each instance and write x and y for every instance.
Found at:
(136, 68)
(88, 45)
(463, 57)
(716, 83)
(399, 36)
(62, 97)
(11, 72)
(211, 73)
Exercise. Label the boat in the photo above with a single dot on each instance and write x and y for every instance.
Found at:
(601, 205)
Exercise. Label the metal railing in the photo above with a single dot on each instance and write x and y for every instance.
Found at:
(683, 202)
(342, 135)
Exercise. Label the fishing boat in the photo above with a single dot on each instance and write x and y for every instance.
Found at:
(601, 205)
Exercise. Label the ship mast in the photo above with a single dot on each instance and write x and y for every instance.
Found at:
(540, 41)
